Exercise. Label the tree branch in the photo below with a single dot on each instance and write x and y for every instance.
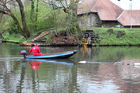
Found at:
(3, 12)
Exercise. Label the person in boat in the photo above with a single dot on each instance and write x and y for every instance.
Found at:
(35, 50)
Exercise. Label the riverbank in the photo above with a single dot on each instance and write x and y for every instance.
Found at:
(103, 37)
(117, 36)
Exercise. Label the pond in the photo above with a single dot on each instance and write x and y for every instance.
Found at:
(90, 70)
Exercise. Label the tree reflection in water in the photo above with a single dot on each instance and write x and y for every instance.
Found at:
(19, 86)
(35, 65)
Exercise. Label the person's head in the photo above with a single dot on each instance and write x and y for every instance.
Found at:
(33, 45)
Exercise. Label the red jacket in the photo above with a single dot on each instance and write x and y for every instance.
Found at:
(35, 51)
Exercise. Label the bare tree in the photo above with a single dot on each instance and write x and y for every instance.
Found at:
(70, 8)
(5, 9)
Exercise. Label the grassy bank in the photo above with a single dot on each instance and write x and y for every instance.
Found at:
(106, 37)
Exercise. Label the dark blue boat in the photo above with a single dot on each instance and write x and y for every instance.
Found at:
(54, 56)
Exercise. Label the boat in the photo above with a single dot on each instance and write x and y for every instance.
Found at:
(62, 55)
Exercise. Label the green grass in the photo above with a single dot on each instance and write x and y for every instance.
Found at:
(132, 36)
(13, 37)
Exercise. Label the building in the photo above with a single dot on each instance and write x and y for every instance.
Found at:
(109, 13)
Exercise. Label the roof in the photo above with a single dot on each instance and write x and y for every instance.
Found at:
(105, 9)
(129, 18)
(108, 11)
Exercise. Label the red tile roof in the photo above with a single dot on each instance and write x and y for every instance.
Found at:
(106, 10)
(129, 18)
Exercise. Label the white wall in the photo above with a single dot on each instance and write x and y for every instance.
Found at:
(128, 4)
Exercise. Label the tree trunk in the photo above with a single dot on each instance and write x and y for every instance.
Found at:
(9, 13)
(36, 19)
(32, 10)
(25, 29)
(18, 25)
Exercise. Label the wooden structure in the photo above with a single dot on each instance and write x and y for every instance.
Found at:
(88, 37)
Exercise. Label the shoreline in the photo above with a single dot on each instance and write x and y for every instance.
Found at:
(103, 37)
(59, 45)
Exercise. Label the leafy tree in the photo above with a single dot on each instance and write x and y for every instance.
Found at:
(6, 8)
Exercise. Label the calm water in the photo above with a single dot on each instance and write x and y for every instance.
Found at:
(91, 70)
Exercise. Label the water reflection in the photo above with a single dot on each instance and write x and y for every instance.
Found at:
(22, 75)
(35, 65)
(108, 78)
(109, 54)
(107, 70)
(52, 78)
(54, 61)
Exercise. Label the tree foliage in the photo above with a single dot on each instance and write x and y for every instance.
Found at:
(5, 8)
(39, 15)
